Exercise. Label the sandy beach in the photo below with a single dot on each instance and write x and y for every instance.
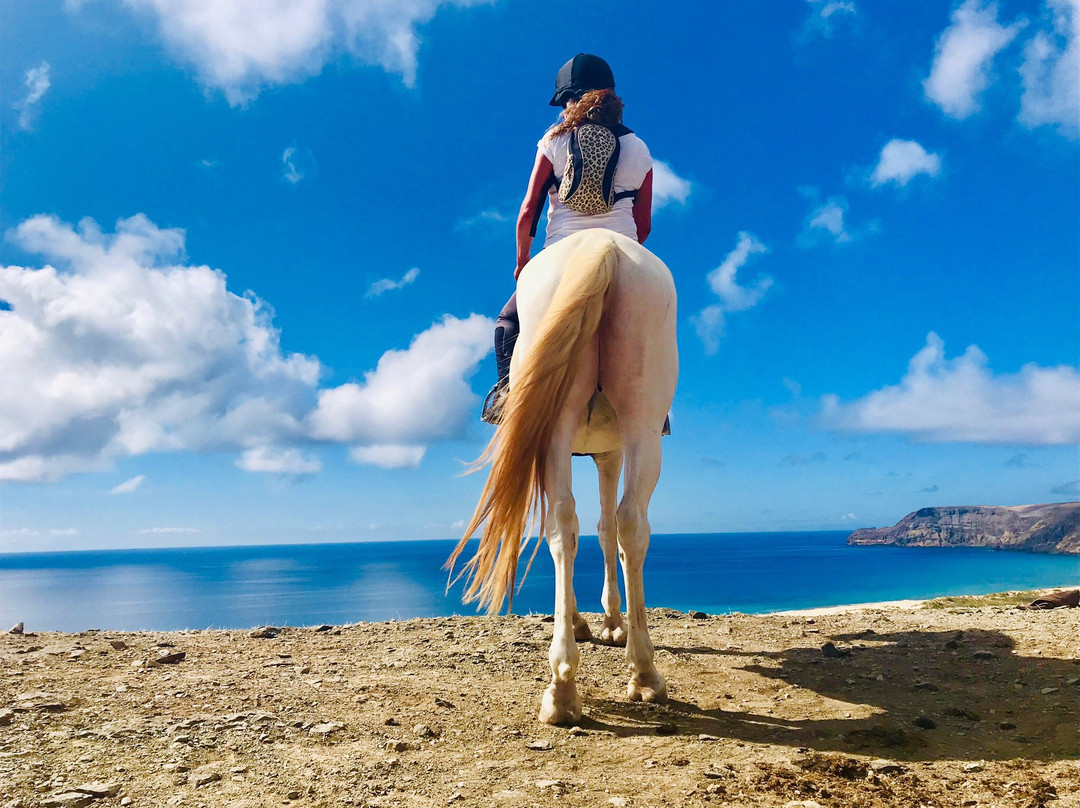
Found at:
(877, 705)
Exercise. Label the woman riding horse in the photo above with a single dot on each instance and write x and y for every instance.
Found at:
(585, 89)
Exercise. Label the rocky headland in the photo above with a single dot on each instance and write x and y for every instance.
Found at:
(1049, 528)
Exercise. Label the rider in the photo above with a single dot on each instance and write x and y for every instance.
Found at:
(585, 89)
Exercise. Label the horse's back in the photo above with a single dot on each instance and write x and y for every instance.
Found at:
(633, 356)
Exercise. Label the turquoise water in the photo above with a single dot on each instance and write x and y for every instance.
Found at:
(238, 587)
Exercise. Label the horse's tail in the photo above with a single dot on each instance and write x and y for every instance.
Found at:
(513, 499)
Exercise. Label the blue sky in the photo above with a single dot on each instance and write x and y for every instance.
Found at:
(251, 258)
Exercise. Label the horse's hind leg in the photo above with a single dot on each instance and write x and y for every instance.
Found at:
(642, 448)
(561, 703)
(609, 466)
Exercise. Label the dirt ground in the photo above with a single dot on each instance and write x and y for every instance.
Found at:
(959, 706)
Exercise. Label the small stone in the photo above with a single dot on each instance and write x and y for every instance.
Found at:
(619, 802)
(203, 777)
(118, 645)
(46, 702)
(882, 766)
(1006, 725)
(170, 659)
(293, 795)
(16, 629)
(323, 628)
(398, 746)
(391, 722)
(265, 632)
(707, 738)
(69, 799)
(424, 731)
(553, 785)
(539, 746)
(99, 790)
(5, 717)
(924, 722)
(578, 732)
(984, 655)
(126, 801)
(455, 797)
(698, 616)
(832, 652)
(326, 728)
(974, 767)
(1046, 691)
(443, 703)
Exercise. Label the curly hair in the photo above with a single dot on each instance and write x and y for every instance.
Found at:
(595, 106)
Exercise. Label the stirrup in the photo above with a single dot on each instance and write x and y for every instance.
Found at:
(493, 404)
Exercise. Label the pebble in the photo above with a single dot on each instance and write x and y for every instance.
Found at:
(265, 632)
(118, 645)
(203, 777)
(1046, 691)
(832, 652)
(619, 802)
(539, 746)
(99, 790)
(18, 628)
(706, 737)
(577, 732)
(424, 731)
(554, 785)
(5, 717)
(882, 766)
(326, 728)
(170, 659)
(973, 767)
(69, 799)
(698, 616)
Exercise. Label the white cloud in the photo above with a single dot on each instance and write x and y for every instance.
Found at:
(964, 57)
(668, 186)
(298, 164)
(167, 530)
(242, 46)
(709, 322)
(413, 396)
(830, 218)
(64, 531)
(20, 531)
(388, 456)
(276, 460)
(37, 84)
(488, 216)
(118, 347)
(961, 400)
(903, 160)
(1050, 71)
(389, 284)
(824, 14)
(129, 486)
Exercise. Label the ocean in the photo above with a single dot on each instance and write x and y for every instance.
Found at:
(311, 584)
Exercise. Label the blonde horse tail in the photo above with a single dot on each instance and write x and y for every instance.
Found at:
(513, 499)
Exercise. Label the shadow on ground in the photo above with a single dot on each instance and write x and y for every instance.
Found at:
(936, 695)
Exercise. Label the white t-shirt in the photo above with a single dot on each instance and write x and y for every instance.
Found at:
(634, 163)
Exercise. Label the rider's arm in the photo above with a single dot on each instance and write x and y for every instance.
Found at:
(643, 209)
(530, 208)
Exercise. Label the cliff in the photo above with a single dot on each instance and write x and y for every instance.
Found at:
(1052, 528)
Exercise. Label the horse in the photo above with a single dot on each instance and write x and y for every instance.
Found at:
(594, 373)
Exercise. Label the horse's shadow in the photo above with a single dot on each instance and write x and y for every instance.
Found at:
(934, 695)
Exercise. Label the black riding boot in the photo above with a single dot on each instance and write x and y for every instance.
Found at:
(506, 334)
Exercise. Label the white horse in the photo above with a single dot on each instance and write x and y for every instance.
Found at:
(593, 372)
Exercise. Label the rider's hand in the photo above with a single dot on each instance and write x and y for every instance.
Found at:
(518, 268)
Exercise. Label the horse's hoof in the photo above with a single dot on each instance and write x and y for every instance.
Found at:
(613, 633)
(560, 704)
(582, 632)
(649, 688)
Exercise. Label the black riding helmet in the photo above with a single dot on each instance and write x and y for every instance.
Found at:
(582, 73)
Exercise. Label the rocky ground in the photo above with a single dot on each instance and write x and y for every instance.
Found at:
(957, 706)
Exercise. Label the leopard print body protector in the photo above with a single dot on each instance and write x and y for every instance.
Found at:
(597, 144)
